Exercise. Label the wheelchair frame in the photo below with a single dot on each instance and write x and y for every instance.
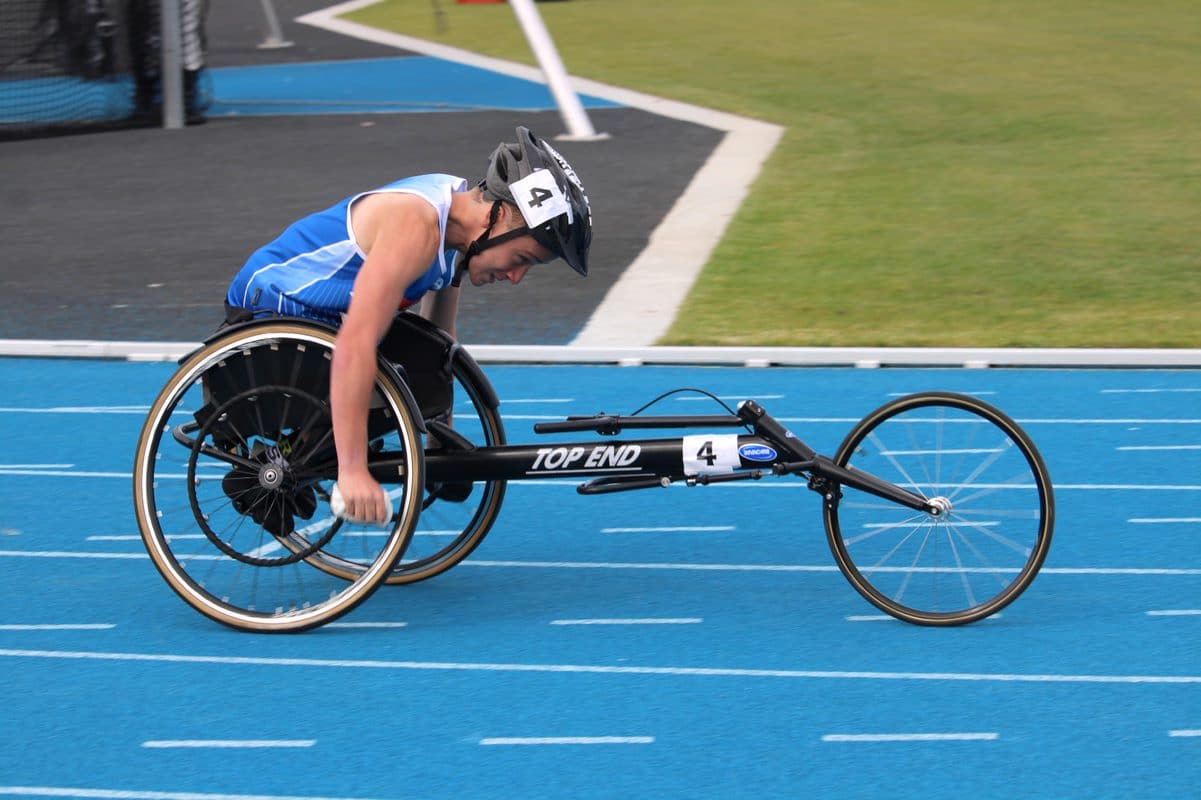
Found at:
(766, 448)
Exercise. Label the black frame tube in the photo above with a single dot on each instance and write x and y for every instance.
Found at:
(649, 459)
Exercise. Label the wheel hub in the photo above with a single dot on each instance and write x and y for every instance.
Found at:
(274, 472)
(939, 506)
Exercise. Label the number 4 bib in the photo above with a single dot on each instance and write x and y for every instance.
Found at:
(705, 455)
(540, 198)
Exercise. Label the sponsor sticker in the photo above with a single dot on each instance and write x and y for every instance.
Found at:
(599, 458)
(757, 452)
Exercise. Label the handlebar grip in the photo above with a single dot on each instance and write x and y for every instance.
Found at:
(573, 424)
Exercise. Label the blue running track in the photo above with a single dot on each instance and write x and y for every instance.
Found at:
(734, 659)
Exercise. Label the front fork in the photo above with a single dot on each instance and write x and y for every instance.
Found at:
(825, 476)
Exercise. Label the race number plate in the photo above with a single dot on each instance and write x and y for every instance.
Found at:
(705, 455)
(539, 198)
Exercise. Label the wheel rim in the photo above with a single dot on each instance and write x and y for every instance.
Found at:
(994, 509)
(259, 577)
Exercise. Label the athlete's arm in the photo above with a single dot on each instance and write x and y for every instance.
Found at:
(400, 235)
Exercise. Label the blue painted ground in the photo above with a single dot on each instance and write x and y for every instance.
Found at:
(1075, 691)
(366, 86)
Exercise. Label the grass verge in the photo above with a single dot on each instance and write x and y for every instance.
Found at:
(1014, 173)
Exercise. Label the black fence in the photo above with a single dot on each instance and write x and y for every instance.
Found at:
(74, 65)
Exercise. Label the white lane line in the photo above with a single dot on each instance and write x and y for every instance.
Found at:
(532, 740)
(667, 566)
(383, 533)
(1130, 421)
(589, 669)
(631, 621)
(77, 410)
(946, 452)
(1162, 520)
(172, 537)
(1161, 447)
(274, 546)
(817, 568)
(532, 400)
(1024, 421)
(1176, 612)
(675, 529)
(51, 473)
(1184, 733)
(367, 625)
(1148, 391)
(68, 554)
(125, 794)
(911, 737)
(36, 466)
(973, 394)
(83, 626)
(941, 524)
(228, 743)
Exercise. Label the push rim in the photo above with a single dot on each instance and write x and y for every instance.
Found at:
(273, 590)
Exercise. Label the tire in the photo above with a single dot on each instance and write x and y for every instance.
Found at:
(239, 531)
(449, 530)
(962, 565)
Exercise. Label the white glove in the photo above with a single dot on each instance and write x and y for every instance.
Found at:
(338, 506)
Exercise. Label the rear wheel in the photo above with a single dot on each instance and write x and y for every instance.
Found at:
(995, 510)
(232, 475)
(456, 516)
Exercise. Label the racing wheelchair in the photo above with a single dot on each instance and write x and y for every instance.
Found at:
(937, 507)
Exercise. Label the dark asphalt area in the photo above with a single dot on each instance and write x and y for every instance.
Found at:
(134, 235)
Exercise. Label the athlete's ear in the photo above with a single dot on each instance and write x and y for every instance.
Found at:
(510, 217)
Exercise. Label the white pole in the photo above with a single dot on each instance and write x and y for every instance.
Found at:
(275, 35)
(570, 108)
(171, 64)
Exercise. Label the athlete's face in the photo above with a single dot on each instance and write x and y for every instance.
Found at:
(509, 261)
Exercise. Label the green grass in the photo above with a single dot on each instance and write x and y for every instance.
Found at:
(1010, 173)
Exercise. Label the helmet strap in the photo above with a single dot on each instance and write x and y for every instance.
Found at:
(486, 241)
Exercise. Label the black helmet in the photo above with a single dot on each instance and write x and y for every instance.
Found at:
(532, 175)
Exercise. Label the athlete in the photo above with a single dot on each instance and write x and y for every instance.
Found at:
(358, 264)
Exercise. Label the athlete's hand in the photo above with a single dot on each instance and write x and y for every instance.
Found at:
(363, 498)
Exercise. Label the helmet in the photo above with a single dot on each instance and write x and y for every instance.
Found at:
(531, 175)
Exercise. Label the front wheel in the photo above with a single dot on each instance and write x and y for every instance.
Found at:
(994, 501)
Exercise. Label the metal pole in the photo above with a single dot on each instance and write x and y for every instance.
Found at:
(171, 63)
(275, 35)
(570, 108)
